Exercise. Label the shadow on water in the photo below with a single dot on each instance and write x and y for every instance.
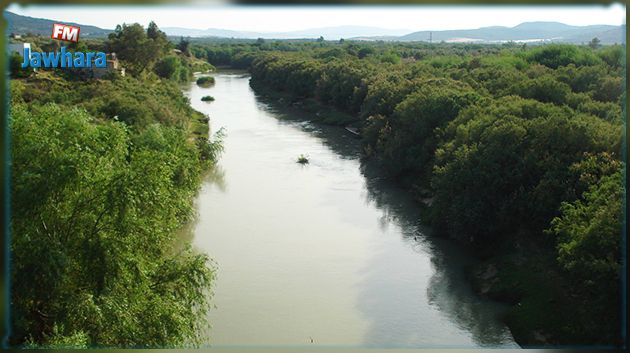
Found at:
(212, 177)
(215, 177)
(340, 141)
(448, 290)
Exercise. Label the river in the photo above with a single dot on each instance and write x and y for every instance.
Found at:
(325, 253)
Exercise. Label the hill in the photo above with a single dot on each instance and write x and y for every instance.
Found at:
(331, 33)
(525, 32)
(24, 24)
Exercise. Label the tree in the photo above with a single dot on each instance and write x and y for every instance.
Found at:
(15, 67)
(167, 67)
(509, 163)
(184, 46)
(365, 51)
(139, 50)
(391, 58)
(555, 55)
(153, 32)
(589, 236)
(95, 210)
(594, 43)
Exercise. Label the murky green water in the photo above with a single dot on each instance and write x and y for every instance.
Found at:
(323, 253)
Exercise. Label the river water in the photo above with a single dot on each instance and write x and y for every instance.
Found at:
(324, 253)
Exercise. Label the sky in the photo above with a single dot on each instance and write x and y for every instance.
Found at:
(289, 18)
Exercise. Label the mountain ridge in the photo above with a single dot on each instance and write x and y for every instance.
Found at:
(536, 31)
(25, 24)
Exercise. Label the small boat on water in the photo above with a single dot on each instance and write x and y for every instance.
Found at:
(353, 130)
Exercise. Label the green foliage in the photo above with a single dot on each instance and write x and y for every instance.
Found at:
(103, 176)
(15, 67)
(406, 142)
(184, 46)
(508, 163)
(167, 67)
(589, 237)
(365, 51)
(594, 43)
(133, 101)
(95, 210)
(556, 55)
(138, 48)
(205, 81)
(543, 89)
(613, 56)
(210, 149)
(391, 58)
(302, 159)
(609, 89)
(207, 98)
(200, 66)
(588, 232)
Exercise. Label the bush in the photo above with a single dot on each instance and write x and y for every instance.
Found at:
(167, 67)
(15, 67)
(556, 55)
(205, 81)
(207, 98)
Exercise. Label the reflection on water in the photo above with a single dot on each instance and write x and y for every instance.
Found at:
(327, 253)
(447, 288)
(215, 176)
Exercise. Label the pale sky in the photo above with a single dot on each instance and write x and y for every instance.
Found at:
(289, 18)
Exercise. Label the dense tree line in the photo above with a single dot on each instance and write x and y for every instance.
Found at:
(518, 147)
(103, 176)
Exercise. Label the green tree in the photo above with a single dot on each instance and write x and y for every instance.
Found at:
(95, 211)
(167, 67)
(594, 43)
(15, 67)
(184, 46)
(139, 50)
(495, 167)
(365, 51)
(589, 237)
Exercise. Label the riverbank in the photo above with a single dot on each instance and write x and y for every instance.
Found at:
(508, 273)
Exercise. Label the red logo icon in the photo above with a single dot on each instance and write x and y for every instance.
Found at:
(65, 32)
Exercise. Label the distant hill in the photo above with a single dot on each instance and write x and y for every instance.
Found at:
(24, 24)
(330, 33)
(525, 32)
(210, 32)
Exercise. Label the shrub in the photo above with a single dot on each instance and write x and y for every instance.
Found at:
(205, 81)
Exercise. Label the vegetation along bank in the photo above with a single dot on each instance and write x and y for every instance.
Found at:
(105, 166)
